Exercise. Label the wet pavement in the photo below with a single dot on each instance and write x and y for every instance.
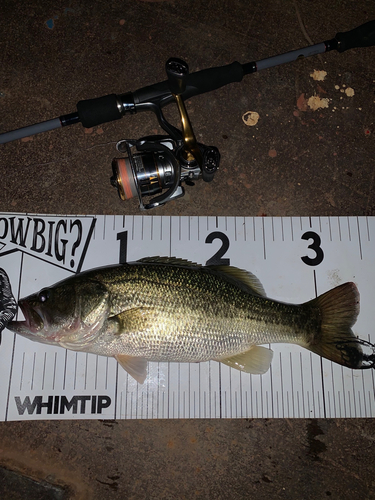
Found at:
(310, 153)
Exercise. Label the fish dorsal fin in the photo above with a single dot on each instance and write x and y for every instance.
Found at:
(256, 360)
(252, 283)
(170, 261)
(136, 367)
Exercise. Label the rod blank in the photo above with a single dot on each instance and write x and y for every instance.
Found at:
(37, 128)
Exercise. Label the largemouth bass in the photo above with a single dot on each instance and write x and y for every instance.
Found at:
(166, 309)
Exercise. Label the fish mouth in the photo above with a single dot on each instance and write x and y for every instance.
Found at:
(33, 320)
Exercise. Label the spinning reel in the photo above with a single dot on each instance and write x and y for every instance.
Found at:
(156, 163)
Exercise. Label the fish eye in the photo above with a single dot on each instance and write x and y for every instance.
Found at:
(43, 295)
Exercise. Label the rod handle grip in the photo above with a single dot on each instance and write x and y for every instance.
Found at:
(362, 36)
(93, 112)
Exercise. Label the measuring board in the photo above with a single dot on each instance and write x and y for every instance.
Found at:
(295, 258)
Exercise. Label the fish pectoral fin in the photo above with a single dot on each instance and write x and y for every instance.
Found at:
(256, 360)
(137, 319)
(136, 367)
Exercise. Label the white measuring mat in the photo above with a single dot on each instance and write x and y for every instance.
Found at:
(296, 259)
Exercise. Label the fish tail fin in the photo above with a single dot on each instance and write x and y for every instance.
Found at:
(338, 310)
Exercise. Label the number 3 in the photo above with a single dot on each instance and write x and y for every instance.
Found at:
(315, 245)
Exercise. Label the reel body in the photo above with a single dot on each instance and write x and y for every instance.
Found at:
(162, 163)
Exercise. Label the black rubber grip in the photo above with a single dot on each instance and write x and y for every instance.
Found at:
(363, 36)
(197, 83)
(213, 78)
(100, 110)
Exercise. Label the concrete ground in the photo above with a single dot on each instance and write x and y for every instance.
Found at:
(295, 161)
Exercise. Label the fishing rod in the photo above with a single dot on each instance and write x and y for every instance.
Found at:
(161, 163)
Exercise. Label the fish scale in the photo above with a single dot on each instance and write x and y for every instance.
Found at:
(199, 311)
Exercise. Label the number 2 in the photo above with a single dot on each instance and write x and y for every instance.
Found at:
(217, 260)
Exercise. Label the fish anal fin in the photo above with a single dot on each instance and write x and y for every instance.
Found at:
(136, 367)
(256, 360)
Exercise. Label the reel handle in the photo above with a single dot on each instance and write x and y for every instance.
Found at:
(177, 71)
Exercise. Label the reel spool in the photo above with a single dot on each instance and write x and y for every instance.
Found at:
(150, 170)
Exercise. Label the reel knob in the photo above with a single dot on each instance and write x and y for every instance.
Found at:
(177, 71)
(211, 160)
